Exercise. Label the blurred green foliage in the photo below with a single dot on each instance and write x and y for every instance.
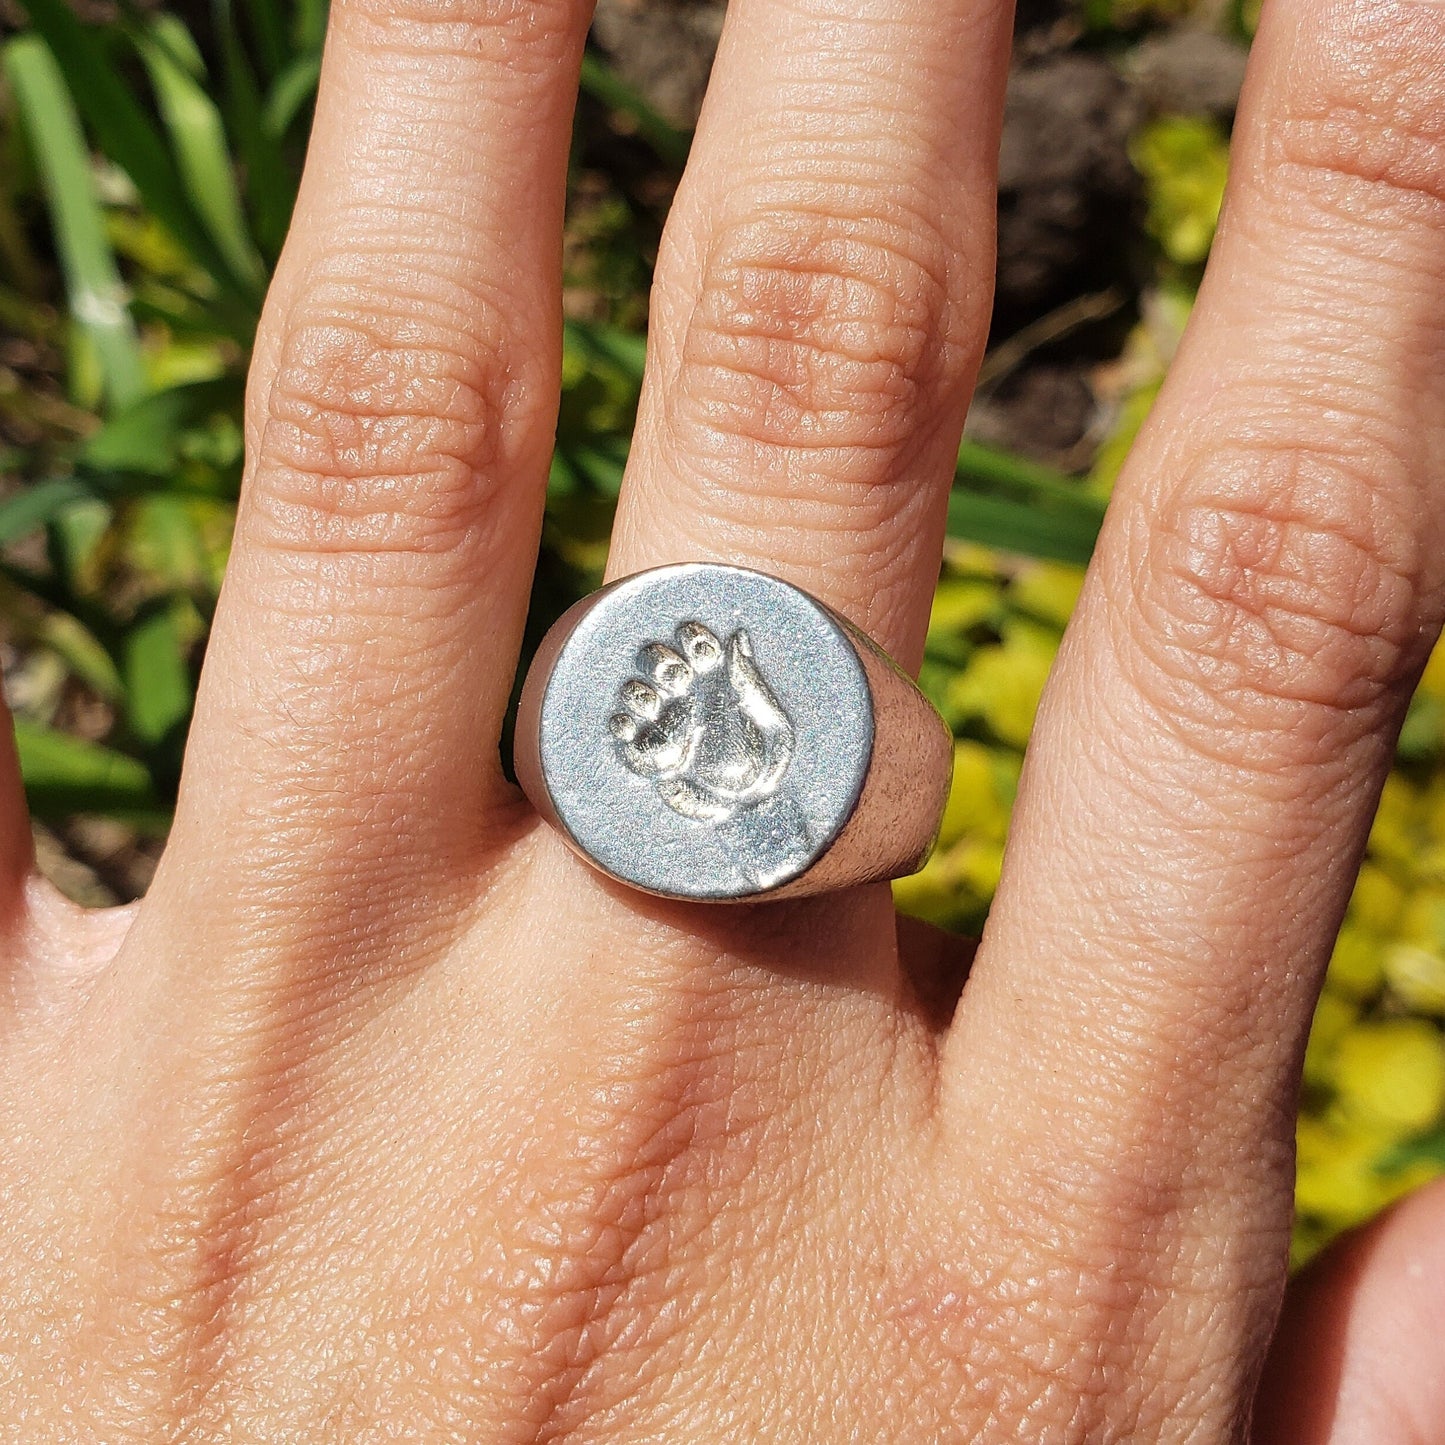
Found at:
(1184, 160)
(163, 165)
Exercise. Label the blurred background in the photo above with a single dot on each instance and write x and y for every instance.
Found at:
(149, 156)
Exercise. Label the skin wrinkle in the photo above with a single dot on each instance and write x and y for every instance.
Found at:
(1371, 647)
(279, 1054)
(1351, 146)
(830, 537)
(760, 360)
(498, 33)
(671, 1151)
(1189, 809)
(310, 611)
(421, 552)
(1356, 146)
(209, 1185)
(338, 383)
(1277, 784)
(799, 1149)
(1386, 243)
(439, 71)
(1244, 590)
(419, 302)
(306, 717)
(845, 513)
(835, 192)
(1121, 1306)
(498, 24)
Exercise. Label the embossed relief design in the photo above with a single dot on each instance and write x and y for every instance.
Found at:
(703, 725)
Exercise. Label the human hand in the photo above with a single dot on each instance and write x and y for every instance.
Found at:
(383, 1117)
(706, 729)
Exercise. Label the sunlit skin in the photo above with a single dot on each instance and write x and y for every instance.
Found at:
(384, 1118)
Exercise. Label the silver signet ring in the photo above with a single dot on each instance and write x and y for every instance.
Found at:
(714, 733)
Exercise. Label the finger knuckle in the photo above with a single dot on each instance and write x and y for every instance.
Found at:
(375, 442)
(1280, 594)
(1074, 1333)
(612, 1222)
(822, 338)
(1365, 105)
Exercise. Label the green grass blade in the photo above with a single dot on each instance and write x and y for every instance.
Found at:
(92, 281)
(268, 26)
(157, 679)
(597, 468)
(77, 629)
(1016, 526)
(146, 436)
(1427, 1150)
(599, 342)
(310, 25)
(1009, 502)
(198, 137)
(1003, 471)
(604, 85)
(125, 132)
(65, 775)
(294, 88)
(270, 180)
(84, 655)
(19, 264)
(57, 629)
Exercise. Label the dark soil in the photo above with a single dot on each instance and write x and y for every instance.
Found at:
(664, 48)
(1069, 273)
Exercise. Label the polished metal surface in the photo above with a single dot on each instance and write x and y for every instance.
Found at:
(710, 732)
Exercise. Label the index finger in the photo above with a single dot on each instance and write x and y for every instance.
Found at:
(401, 417)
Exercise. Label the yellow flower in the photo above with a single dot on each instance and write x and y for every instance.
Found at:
(1356, 965)
(1334, 1016)
(1428, 864)
(1390, 1075)
(961, 603)
(1433, 679)
(979, 866)
(1002, 685)
(1338, 1177)
(1416, 977)
(980, 795)
(1048, 590)
(1422, 919)
(932, 894)
(1335, 1174)
(1429, 826)
(955, 886)
(1184, 161)
(1377, 900)
(1394, 837)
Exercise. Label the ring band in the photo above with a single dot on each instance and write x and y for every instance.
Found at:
(710, 732)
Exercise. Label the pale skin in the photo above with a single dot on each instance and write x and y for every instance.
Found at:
(383, 1118)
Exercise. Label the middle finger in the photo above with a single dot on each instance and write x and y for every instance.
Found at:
(822, 300)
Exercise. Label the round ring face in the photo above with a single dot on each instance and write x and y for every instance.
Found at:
(705, 731)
